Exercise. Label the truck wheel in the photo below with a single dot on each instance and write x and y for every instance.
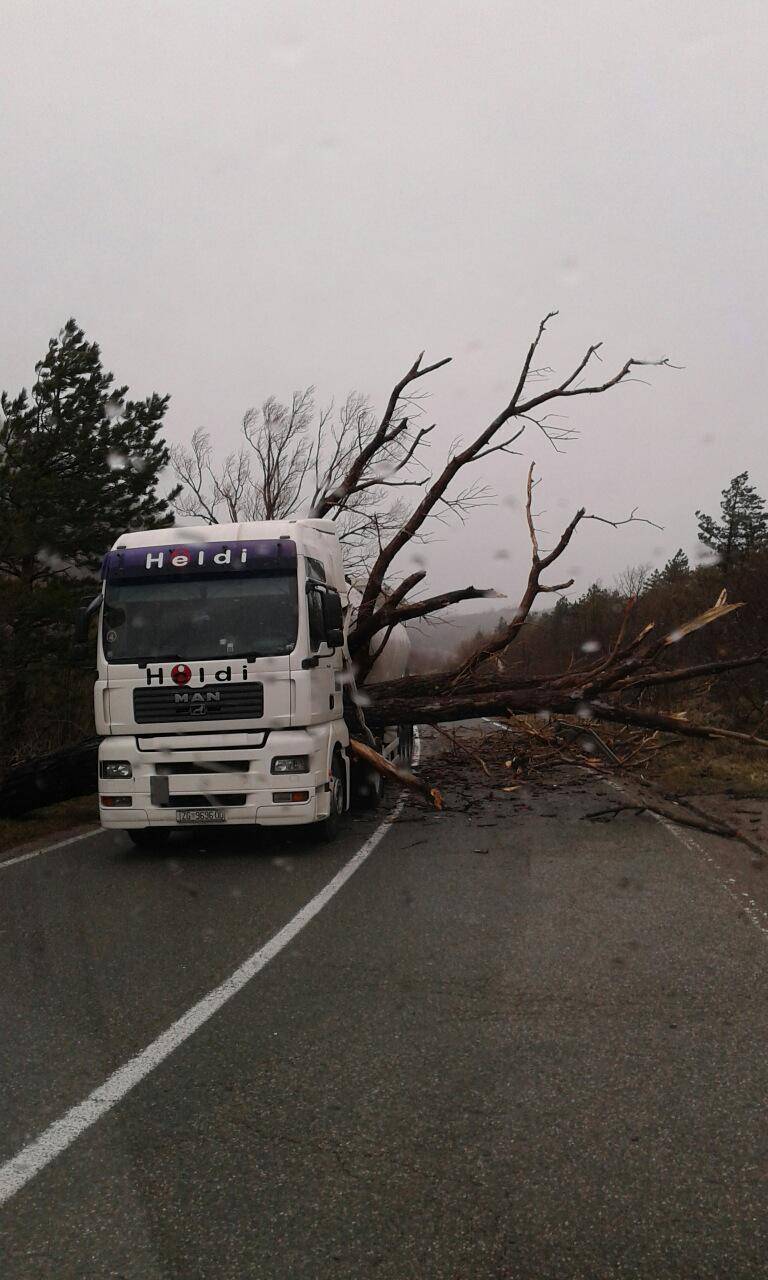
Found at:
(149, 838)
(328, 828)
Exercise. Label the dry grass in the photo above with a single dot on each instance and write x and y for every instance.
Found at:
(47, 825)
(709, 768)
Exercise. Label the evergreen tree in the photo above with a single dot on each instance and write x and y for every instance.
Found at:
(743, 526)
(676, 568)
(79, 464)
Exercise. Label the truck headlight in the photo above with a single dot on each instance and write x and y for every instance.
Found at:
(290, 764)
(116, 769)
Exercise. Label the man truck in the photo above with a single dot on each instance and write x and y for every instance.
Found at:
(222, 664)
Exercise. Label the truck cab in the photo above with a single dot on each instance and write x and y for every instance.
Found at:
(221, 667)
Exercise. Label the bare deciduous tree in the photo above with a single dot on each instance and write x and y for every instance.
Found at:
(633, 580)
(291, 456)
(526, 407)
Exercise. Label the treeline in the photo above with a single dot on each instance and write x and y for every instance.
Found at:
(735, 559)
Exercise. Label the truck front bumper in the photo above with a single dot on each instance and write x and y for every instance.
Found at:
(237, 782)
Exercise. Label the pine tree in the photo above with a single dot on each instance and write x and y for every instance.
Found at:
(674, 570)
(743, 527)
(79, 464)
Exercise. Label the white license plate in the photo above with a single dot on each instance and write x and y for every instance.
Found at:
(198, 816)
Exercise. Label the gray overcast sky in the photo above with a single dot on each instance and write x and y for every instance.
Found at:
(237, 199)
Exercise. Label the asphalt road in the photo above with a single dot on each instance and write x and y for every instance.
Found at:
(514, 1044)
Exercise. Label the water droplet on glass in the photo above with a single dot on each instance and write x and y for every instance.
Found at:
(570, 272)
(591, 646)
(706, 556)
(284, 864)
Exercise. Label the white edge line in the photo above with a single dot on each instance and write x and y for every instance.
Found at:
(54, 1140)
(744, 901)
(35, 853)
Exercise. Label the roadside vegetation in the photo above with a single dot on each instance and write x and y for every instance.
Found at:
(42, 826)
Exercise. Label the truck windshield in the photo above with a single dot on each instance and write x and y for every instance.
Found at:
(200, 618)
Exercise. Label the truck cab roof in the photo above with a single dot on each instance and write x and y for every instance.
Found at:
(316, 538)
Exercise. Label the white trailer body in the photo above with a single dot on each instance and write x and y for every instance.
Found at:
(220, 684)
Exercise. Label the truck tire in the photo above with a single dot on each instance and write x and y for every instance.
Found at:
(329, 828)
(149, 837)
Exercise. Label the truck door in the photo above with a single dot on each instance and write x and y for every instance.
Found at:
(326, 700)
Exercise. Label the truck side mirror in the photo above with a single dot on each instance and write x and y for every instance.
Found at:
(333, 618)
(82, 619)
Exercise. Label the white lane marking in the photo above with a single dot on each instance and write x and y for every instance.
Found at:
(35, 853)
(33, 1158)
(744, 901)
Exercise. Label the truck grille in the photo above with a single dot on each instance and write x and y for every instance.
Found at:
(208, 702)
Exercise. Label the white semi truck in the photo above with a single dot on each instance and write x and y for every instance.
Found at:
(222, 663)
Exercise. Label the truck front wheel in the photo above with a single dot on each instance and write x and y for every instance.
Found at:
(328, 828)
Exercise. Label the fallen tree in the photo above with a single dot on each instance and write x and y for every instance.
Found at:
(593, 690)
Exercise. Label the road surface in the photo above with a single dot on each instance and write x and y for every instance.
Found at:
(513, 1044)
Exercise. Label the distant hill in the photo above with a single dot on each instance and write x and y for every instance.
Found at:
(435, 643)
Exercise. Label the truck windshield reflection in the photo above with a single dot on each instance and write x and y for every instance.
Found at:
(200, 619)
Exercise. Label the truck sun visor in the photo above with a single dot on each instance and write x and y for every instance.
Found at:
(208, 559)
